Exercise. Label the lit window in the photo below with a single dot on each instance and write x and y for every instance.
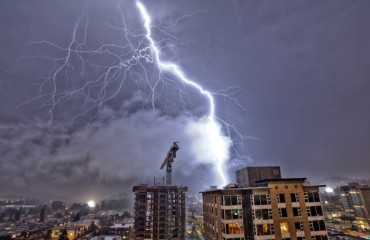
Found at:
(284, 227)
(264, 229)
(233, 228)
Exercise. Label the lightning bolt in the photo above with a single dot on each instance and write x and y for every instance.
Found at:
(129, 60)
(212, 126)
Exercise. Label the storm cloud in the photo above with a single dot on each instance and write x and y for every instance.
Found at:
(301, 67)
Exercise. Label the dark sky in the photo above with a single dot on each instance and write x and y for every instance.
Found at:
(302, 68)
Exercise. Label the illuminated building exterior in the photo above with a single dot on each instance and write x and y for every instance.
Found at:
(159, 212)
(273, 209)
(356, 202)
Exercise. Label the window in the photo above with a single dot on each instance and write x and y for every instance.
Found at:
(312, 197)
(230, 200)
(234, 228)
(280, 198)
(297, 212)
(263, 199)
(299, 226)
(314, 211)
(262, 214)
(317, 225)
(283, 212)
(294, 197)
(264, 229)
(323, 237)
(284, 227)
(232, 214)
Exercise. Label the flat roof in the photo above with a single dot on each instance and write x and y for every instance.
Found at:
(163, 187)
(281, 180)
(233, 189)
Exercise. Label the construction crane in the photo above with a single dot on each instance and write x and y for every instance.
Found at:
(171, 155)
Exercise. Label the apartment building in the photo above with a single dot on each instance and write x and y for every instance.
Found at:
(159, 212)
(274, 209)
(356, 202)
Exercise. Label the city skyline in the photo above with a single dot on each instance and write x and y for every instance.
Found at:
(299, 70)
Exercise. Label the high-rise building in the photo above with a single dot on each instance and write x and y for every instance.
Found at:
(273, 209)
(356, 203)
(159, 212)
(247, 177)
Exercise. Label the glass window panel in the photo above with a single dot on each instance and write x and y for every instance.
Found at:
(322, 225)
(284, 227)
(293, 197)
(281, 198)
(316, 197)
(257, 200)
(263, 200)
(233, 228)
(234, 200)
(319, 210)
(228, 214)
(296, 212)
(316, 226)
(258, 214)
(227, 200)
(265, 214)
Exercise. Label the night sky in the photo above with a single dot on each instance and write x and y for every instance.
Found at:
(299, 68)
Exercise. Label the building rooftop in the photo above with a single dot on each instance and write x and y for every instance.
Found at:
(282, 180)
(233, 189)
(162, 187)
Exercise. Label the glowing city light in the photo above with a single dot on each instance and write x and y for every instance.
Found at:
(91, 203)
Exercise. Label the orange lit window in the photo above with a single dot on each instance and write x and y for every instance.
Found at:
(233, 228)
(284, 227)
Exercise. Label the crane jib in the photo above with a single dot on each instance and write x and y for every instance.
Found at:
(171, 155)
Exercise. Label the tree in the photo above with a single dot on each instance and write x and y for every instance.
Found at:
(93, 228)
(126, 215)
(17, 215)
(48, 234)
(77, 217)
(9, 212)
(63, 235)
(42, 213)
(102, 205)
(57, 206)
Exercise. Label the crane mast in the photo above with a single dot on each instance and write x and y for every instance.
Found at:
(171, 155)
